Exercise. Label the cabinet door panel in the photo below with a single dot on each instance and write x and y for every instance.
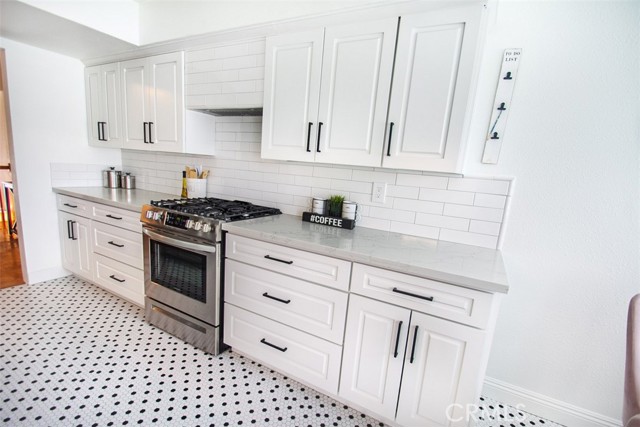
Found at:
(92, 92)
(165, 101)
(356, 74)
(68, 246)
(110, 80)
(431, 89)
(292, 90)
(134, 82)
(370, 371)
(448, 357)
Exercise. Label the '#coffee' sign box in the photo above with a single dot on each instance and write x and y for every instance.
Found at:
(331, 221)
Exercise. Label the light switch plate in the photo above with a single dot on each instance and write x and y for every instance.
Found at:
(379, 192)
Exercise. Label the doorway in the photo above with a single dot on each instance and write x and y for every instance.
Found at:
(10, 264)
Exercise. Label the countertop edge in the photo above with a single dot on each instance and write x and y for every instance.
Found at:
(81, 193)
(450, 278)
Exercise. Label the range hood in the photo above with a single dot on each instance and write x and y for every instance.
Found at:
(230, 111)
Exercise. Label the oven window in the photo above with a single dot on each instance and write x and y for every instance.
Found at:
(179, 270)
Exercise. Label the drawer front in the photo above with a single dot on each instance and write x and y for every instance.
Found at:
(311, 308)
(74, 205)
(447, 301)
(121, 279)
(292, 352)
(118, 244)
(292, 262)
(119, 217)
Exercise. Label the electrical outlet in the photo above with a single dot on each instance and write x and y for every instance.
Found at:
(379, 192)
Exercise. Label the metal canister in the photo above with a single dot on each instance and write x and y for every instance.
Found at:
(111, 178)
(128, 181)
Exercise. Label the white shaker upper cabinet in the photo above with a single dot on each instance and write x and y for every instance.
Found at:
(356, 77)
(104, 107)
(292, 90)
(432, 90)
(154, 103)
(326, 98)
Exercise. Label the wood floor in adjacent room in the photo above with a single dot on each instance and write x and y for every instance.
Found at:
(10, 269)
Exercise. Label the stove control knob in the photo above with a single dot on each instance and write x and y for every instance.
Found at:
(189, 224)
(198, 226)
(206, 228)
(149, 214)
(157, 216)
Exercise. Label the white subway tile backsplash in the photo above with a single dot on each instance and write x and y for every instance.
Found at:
(202, 66)
(381, 213)
(418, 206)
(490, 201)
(403, 191)
(256, 73)
(474, 212)
(484, 227)
(422, 181)
(256, 47)
(467, 238)
(489, 186)
(441, 221)
(459, 197)
(355, 186)
(239, 87)
(240, 62)
(327, 172)
(403, 216)
(372, 176)
(250, 99)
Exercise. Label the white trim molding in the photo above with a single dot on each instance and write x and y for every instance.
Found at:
(545, 406)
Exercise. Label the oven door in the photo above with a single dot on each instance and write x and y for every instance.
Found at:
(182, 274)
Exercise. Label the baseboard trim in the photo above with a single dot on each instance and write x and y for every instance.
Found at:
(46, 274)
(544, 406)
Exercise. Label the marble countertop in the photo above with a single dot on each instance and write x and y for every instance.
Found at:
(131, 200)
(463, 265)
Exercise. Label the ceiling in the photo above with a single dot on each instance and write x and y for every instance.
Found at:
(87, 29)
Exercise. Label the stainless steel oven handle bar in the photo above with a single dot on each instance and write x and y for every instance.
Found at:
(179, 243)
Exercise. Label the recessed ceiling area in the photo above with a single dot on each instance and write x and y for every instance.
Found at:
(87, 29)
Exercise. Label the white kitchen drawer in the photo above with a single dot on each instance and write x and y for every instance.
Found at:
(75, 206)
(311, 308)
(117, 243)
(292, 262)
(121, 279)
(448, 301)
(292, 352)
(118, 217)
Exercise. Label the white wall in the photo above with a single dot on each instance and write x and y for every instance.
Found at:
(48, 118)
(572, 240)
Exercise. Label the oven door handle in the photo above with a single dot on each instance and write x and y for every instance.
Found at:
(179, 243)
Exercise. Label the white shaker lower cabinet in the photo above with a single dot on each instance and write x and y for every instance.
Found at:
(103, 246)
(75, 240)
(441, 362)
(414, 350)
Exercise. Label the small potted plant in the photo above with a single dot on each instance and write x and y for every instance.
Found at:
(335, 205)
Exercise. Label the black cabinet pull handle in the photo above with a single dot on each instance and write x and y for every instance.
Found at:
(73, 235)
(309, 137)
(396, 290)
(104, 134)
(144, 129)
(115, 244)
(284, 301)
(69, 228)
(395, 352)
(113, 217)
(71, 206)
(389, 144)
(116, 279)
(264, 341)
(99, 136)
(279, 260)
(319, 131)
(413, 347)
(150, 137)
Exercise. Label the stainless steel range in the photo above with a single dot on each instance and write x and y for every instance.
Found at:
(182, 265)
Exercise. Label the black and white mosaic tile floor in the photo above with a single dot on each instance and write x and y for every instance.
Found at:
(72, 354)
